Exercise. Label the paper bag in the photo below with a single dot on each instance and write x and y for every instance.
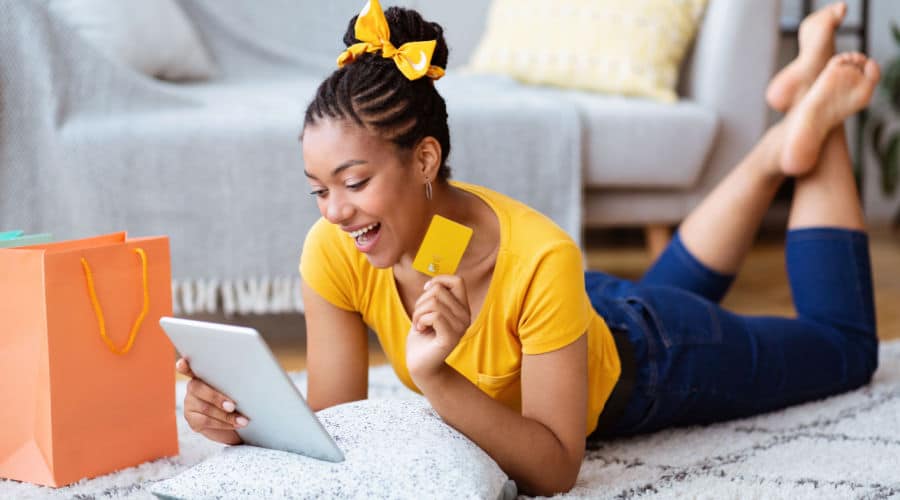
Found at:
(86, 374)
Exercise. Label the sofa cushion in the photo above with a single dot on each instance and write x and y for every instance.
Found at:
(633, 143)
(155, 38)
(629, 48)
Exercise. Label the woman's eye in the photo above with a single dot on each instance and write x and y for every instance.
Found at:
(319, 193)
(358, 185)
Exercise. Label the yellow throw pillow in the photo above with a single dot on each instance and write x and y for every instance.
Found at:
(629, 47)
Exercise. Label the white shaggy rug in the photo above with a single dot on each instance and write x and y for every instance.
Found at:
(842, 447)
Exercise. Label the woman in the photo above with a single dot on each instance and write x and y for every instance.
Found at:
(511, 350)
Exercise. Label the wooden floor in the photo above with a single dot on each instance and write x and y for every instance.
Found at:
(760, 288)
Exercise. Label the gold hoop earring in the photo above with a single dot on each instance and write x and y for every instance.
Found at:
(428, 192)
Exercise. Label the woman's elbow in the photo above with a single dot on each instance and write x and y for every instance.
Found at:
(560, 480)
(567, 479)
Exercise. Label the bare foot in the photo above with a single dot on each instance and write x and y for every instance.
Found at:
(843, 88)
(816, 40)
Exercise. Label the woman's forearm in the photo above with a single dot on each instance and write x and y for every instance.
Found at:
(528, 451)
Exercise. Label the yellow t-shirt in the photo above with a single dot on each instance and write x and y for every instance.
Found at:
(536, 303)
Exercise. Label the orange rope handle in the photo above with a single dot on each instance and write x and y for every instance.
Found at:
(98, 311)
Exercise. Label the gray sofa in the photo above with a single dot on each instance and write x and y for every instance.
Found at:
(88, 145)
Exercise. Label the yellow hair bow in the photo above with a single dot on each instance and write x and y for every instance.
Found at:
(412, 58)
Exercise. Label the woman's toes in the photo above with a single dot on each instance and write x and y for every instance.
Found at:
(845, 58)
(872, 71)
(839, 9)
(858, 58)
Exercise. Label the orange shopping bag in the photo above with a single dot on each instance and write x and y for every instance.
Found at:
(87, 384)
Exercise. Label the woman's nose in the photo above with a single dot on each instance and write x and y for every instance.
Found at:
(337, 210)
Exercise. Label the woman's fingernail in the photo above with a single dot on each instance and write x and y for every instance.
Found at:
(228, 406)
(242, 422)
(427, 284)
(179, 363)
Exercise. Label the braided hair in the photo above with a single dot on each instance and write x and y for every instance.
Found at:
(374, 94)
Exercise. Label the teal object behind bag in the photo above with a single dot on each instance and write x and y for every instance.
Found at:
(11, 235)
(24, 240)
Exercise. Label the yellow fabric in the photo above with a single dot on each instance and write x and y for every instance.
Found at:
(628, 47)
(536, 303)
(371, 28)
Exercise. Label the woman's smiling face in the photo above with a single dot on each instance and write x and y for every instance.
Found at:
(368, 187)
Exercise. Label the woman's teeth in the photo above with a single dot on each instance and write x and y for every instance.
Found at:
(359, 232)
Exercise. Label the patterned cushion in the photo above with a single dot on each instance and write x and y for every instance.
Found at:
(392, 448)
(632, 47)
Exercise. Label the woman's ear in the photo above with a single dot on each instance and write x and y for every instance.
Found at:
(427, 158)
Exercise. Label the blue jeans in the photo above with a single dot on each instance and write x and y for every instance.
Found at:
(698, 363)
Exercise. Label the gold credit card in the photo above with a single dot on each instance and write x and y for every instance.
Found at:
(443, 247)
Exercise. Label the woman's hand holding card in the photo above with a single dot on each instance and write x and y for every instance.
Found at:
(441, 317)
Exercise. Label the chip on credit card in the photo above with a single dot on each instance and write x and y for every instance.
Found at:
(443, 247)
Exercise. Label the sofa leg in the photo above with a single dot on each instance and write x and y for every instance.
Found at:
(657, 236)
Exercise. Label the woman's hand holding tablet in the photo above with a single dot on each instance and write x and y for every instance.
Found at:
(208, 411)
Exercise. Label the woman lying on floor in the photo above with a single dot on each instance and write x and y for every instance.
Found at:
(521, 350)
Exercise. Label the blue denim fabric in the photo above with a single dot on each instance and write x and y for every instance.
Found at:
(699, 363)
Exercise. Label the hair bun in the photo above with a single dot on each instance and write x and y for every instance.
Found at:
(407, 25)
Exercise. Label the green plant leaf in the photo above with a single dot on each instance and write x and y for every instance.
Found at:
(890, 81)
(896, 32)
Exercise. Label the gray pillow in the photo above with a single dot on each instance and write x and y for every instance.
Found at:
(393, 449)
(154, 37)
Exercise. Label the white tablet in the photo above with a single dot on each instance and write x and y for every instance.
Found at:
(237, 362)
